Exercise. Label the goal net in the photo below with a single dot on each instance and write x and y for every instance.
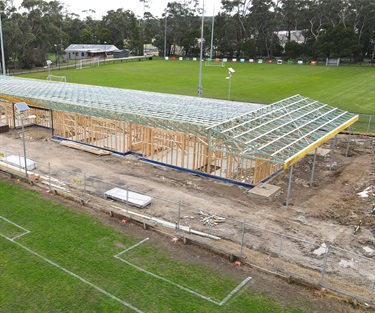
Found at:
(332, 61)
(215, 62)
(87, 63)
(57, 78)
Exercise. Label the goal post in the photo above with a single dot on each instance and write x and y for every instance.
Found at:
(214, 62)
(332, 61)
(87, 63)
(56, 78)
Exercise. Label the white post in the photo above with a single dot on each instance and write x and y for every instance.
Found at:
(2, 46)
(165, 36)
(230, 81)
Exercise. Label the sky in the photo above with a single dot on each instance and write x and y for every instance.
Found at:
(156, 6)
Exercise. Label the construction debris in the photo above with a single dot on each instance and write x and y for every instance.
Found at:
(357, 227)
(209, 219)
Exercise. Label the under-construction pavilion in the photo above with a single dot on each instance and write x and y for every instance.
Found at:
(244, 143)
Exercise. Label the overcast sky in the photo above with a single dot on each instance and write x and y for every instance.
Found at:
(156, 6)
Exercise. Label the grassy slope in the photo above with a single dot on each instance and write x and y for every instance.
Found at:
(349, 88)
(86, 247)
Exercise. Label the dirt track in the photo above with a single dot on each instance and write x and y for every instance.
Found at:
(326, 212)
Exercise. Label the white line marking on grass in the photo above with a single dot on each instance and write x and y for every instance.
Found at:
(132, 247)
(10, 222)
(117, 256)
(67, 271)
(235, 290)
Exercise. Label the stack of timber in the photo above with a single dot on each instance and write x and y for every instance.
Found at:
(78, 146)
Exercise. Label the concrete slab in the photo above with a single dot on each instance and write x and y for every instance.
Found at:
(264, 190)
(321, 152)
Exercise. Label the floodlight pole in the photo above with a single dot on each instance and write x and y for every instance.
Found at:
(56, 53)
(105, 51)
(2, 46)
(165, 36)
(212, 31)
(23, 141)
(201, 56)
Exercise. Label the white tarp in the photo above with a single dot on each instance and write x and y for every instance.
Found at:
(18, 161)
(131, 197)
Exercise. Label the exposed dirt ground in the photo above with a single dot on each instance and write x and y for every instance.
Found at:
(327, 212)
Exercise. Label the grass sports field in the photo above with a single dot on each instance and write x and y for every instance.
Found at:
(351, 88)
(54, 259)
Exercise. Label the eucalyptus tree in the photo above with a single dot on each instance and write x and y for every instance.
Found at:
(163, 36)
(264, 24)
(226, 40)
(38, 29)
(238, 28)
(72, 26)
(123, 29)
(17, 35)
(151, 28)
(337, 41)
(362, 19)
(292, 15)
(183, 21)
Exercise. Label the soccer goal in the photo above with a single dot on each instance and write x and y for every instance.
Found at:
(332, 61)
(57, 78)
(87, 63)
(215, 62)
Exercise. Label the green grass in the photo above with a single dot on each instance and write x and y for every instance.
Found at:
(86, 247)
(351, 88)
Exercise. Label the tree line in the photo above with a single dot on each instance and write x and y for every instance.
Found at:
(241, 28)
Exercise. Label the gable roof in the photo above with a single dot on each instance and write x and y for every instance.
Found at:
(92, 48)
(281, 133)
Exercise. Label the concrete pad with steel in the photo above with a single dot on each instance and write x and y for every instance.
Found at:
(264, 190)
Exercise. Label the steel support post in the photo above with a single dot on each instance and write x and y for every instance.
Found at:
(243, 235)
(49, 175)
(179, 215)
(289, 185)
(313, 168)
(333, 145)
(280, 249)
(324, 265)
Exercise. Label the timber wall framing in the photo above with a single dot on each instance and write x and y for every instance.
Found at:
(176, 149)
(10, 116)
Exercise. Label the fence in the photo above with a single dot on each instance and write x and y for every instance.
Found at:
(72, 64)
(365, 124)
(324, 265)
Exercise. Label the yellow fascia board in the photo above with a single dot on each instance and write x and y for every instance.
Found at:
(14, 100)
(295, 158)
